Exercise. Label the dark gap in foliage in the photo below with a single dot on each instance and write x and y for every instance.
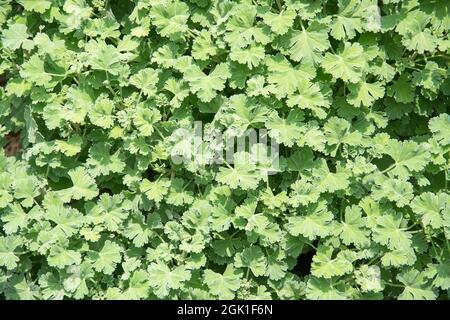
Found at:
(13, 145)
(106, 190)
(121, 9)
(16, 7)
(36, 265)
(3, 80)
(304, 260)
(151, 174)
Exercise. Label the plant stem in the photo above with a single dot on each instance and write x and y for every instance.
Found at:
(392, 166)
(394, 285)
(279, 5)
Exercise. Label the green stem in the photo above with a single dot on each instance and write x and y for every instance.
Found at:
(56, 75)
(411, 226)
(187, 185)
(21, 252)
(228, 165)
(159, 133)
(373, 260)
(416, 69)
(394, 285)
(139, 98)
(435, 56)
(341, 210)
(47, 171)
(199, 190)
(235, 233)
(84, 132)
(311, 245)
(279, 5)
(218, 235)
(445, 178)
(160, 238)
(392, 166)
(109, 85)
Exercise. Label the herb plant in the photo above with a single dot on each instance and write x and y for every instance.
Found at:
(355, 93)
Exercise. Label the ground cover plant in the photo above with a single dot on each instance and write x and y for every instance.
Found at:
(103, 196)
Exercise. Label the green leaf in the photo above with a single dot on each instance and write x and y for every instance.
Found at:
(285, 76)
(8, 245)
(364, 93)
(18, 288)
(70, 147)
(402, 89)
(84, 186)
(206, 86)
(102, 162)
(155, 190)
(60, 257)
(244, 174)
(109, 211)
(349, 65)
(243, 29)
(415, 34)
(106, 258)
(442, 278)
(138, 286)
(399, 191)
(170, 18)
(323, 289)
(225, 285)
(136, 161)
(349, 19)
(389, 232)
(352, 230)
(252, 258)
(203, 46)
(39, 6)
(416, 286)
(280, 23)
(105, 57)
(317, 223)
(326, 181)
(430, 207)
(251, 56)
(324, 266)
(141, 229)
(15, 36)
(285, 131)
(407, 154)
(101, 113)
(33, 70)
(67, 220)
(310, 96)
(145, 80)
(369, 278)
(16, 218)
(308, 44)
(145, 118)
(440, 126)
(162, 279)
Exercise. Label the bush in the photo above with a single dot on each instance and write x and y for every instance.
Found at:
(120, 178)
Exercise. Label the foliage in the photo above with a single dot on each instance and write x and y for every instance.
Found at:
(356, 94)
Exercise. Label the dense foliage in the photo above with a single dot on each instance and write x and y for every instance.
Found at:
(356, 93)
